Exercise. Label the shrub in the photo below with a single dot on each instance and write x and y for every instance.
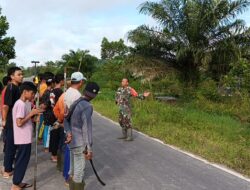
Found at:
(209, 90)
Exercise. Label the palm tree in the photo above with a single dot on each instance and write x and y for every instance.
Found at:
(79, 60)
(194, 35)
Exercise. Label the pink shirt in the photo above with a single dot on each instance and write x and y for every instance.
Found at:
(23, 134)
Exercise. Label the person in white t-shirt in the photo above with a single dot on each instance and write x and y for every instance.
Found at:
(23, 128)
(71, 95)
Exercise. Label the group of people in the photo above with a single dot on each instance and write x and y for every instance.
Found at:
(64, 118)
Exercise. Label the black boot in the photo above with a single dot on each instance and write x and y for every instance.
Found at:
(78, 186)
(124, 134)
(62, 160)
(71, 184)
(129, 135)
(59, 161)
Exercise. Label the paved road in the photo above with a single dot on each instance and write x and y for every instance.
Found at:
(143, 164)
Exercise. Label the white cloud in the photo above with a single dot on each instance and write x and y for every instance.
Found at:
(46, 29)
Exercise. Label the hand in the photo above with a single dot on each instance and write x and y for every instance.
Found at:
(68, 138)
(35, 111)
(43, 106)
(88, 156)
(3, 123)
(146, 94)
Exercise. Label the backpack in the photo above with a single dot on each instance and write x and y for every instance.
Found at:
(73, 107)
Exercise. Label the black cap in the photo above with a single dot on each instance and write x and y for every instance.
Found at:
(91, 89)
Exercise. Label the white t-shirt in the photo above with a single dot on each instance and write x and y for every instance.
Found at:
(71, 95)
(23, 134)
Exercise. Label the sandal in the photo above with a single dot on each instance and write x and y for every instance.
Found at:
(7, 175)
(24, 185)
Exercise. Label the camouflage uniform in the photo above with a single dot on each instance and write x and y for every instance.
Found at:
(122, 99)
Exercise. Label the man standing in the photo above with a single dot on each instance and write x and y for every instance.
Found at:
(12, 94)
(70, 96)
(122, 99)
(79, 123)
(6, 80)
(55, 132)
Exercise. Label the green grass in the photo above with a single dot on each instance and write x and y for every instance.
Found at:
(216, 137)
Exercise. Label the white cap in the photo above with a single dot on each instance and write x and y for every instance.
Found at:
(77, 76)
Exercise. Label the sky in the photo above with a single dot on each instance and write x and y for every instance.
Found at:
(47, 29)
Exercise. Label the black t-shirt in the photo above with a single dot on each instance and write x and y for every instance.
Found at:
(45, 99)
(12, 94)
(49, 117)
(57, 92)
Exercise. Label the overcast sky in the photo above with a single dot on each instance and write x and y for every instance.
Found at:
(46, 29)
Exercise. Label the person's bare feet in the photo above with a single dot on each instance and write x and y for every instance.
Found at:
(15, 187)
(46, 150)
(54, 158)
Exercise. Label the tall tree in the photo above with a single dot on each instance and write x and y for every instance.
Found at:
(114, 49)
(193, 34)
(7, 44)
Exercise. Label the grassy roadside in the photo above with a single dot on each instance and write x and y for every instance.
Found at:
(215, 137)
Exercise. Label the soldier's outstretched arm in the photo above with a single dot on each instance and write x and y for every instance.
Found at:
(140, 96)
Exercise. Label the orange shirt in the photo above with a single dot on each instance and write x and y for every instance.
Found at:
(59, 109)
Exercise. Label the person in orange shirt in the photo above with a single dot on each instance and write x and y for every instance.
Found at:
(43, 86)
(59, 109)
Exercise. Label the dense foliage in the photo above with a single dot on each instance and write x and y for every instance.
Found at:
(7, 44)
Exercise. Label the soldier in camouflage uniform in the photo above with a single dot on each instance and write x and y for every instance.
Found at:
(122, 99)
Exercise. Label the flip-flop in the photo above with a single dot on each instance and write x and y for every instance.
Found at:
(25, 185)
(7, 175)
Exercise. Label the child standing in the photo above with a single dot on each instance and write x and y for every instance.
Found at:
(48, 116)
(23, 128)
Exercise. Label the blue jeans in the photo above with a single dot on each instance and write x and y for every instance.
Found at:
(66, 163)
(77, 164)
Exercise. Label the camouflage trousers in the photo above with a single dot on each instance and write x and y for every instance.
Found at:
(125, 120)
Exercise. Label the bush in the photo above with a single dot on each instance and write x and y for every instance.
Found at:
(209, 90)
(169, 85)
